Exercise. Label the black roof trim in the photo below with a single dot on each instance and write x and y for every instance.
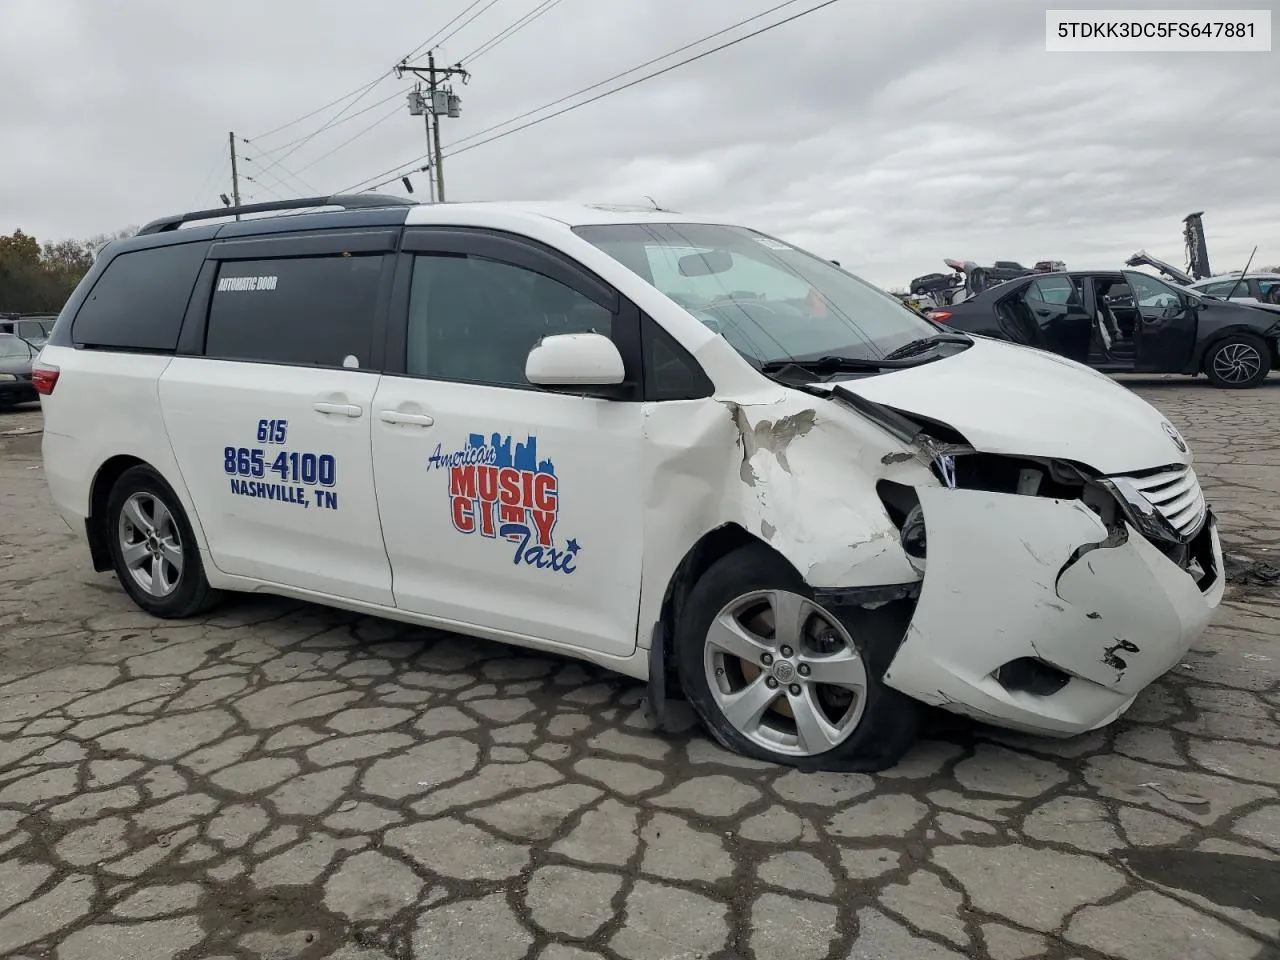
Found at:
(349, 201)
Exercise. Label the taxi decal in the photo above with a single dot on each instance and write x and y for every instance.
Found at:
(500, 493)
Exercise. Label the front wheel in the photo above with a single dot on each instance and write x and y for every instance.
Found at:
(776, 676)
(153, 548)
(1238, 362)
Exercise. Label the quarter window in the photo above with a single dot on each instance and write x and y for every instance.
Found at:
(139, 301)
(312, 311)
(475, 320)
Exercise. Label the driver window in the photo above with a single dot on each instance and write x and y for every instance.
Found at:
(475, 320)
(1150, 292)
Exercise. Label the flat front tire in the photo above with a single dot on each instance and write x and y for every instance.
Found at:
(776, 676)
(153, 548)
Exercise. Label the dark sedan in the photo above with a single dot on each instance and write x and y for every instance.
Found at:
(1124, 321)
(16, 356)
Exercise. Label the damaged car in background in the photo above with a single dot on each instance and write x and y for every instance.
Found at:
(686, 451)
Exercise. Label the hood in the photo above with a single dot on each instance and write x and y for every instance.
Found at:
(1022, 401)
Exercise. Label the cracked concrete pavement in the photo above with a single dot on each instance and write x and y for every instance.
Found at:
(286, 781)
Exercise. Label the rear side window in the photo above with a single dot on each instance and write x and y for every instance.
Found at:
(1229, 288)
(1056, 290)
(139, 301)
(312, 311)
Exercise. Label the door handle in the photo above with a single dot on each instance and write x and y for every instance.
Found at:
(336, 409)
(417, 419)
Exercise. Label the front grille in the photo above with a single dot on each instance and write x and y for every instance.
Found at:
(1176, 495)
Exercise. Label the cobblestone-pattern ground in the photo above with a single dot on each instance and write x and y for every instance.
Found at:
(285, 781)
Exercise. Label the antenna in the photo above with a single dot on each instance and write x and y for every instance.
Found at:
(1232, 292)
(652, 201)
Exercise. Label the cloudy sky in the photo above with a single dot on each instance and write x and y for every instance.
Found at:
(886, 135)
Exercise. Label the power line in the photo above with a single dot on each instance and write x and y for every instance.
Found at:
(632, 83)
(326, 126)
(307, 116)
(355, 136)
(648, 76)
(443, 40)
(510, 31)
(638, 66)
(361, 112)
(362, 89)
(265, 187)
(427, 42)
(218, 165)
(280, 173)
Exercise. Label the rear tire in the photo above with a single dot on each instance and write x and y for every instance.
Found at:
(1238, 362)
(153, 548)
(777, 677)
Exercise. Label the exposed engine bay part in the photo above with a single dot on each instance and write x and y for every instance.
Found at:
(1197, 254)
(1197, 251)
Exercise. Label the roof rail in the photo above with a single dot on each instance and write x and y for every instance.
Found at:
(347, 201)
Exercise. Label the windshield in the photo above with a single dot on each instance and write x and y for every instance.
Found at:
(11, 346)
(770, 300)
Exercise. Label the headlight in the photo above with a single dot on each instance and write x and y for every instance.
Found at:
(913, 538)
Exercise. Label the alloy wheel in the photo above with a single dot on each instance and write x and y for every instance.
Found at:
(1237, 363)
(150, 544)
(785, 673)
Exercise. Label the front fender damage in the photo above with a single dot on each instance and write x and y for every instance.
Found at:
(807, 485)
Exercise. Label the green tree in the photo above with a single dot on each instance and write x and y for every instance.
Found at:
(36, 279)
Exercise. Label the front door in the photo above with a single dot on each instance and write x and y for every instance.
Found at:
(270, 425)
(505, 507)
(1165, 324)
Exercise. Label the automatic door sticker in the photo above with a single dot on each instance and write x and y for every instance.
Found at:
(499, 494)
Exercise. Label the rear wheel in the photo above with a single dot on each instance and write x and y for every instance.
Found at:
(1238, 362)
(777, 676)
(153, 548)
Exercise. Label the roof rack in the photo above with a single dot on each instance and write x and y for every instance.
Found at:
(347, 201)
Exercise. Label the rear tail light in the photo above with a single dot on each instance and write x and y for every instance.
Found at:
(44, 379)
(942, 316)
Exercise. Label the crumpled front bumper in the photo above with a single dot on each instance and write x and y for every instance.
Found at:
(1010, 577)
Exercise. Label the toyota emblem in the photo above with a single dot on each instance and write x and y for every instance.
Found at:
(1173, 435)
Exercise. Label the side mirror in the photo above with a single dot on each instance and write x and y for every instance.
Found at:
(575, 362)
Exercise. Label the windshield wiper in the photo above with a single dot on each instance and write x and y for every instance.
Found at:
(831, 364)
(925, 343)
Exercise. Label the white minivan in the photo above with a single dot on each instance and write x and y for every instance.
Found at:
(682, 449)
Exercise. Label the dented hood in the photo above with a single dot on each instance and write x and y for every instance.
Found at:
(1018, 400)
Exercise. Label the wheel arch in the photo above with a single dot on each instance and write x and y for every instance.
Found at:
(104, 480)
(710, 547)
(1235, 330)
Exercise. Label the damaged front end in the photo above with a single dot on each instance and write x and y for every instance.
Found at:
(1050, 595)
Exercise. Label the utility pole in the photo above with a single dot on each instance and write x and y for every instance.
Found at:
(235, 176)
(439, 101)
(418, 105)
